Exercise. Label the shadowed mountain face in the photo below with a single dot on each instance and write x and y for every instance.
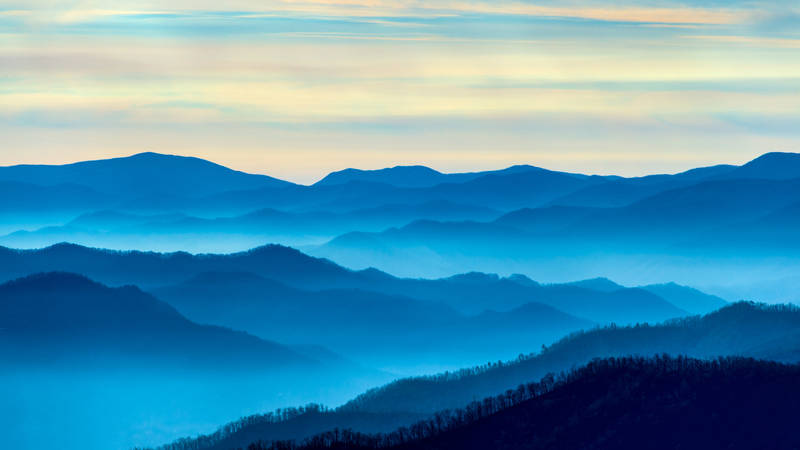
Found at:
(61, 318)
(108, 367)
(379, 329)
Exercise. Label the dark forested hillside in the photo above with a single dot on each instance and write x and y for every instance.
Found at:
(744, 329)
(658, 403)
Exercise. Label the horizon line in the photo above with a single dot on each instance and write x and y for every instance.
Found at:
(418, 164)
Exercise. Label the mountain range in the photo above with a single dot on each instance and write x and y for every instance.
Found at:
(279, 293)
(469, 293)
(62, 318)
(156, 182)
(173, 294)
(722, 228)
(742, 329)
(400, 330)
(703, 404)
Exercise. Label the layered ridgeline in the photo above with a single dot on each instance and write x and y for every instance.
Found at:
(741, 329)
(468, 293)
(66, 319)
(75, 352)
(149, 184)
(726, 229)
(282, 294)
(725, 403)
(156, 182)
(721, 233)
(676, 220)
(378, 329)
(178, 230)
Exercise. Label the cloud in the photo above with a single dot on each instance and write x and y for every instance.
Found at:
(610, 12)
(754, 41)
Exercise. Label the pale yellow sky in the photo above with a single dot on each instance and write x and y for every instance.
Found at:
(299, 88)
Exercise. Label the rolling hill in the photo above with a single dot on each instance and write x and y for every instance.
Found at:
(727, 403)
(469, 294)
(142, 175)
(743, 329)
(401, 331)
(61, 318)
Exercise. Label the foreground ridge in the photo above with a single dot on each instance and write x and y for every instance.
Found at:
(610, 403)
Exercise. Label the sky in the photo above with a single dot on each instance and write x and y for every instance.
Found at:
(298, 88)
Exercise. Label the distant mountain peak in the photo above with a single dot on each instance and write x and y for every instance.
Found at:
(58, 278)
(149, 154)
(775, 157)
(401, 176)
(474, 277)
(601, 284)
(770, 166)
(143, 174)
(523, 280)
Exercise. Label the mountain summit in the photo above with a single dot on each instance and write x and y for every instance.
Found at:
(143, 174)
(770, 166)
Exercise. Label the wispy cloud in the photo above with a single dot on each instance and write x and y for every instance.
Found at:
(676, 14)
(413, 81)
(755, 41)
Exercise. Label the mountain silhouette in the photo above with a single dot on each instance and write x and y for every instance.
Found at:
(624, 191)
(399, 329)
(400, 176)
(686, 298)
(601, 284)
(55, 317)
(727, 403)
(746, 329)
(711, 219)
(110, 228)
(149, 269)
(768, 332)
(468, 295)
(141, 175)
(769, 166)
(512, 188)
(79, 358)
(417, 176)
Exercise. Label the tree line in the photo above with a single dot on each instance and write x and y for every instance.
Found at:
(453, 420)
